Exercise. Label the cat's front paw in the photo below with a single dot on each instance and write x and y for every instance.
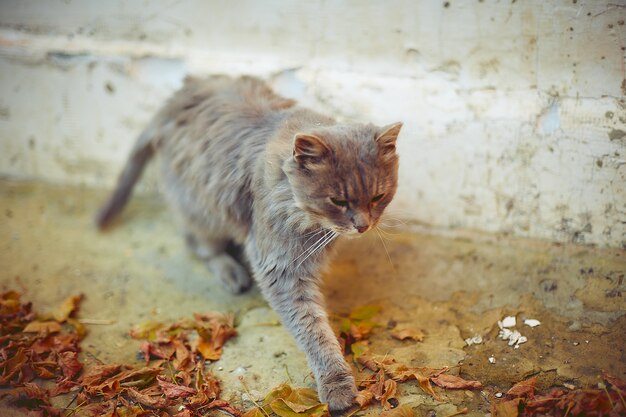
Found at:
(338, 390)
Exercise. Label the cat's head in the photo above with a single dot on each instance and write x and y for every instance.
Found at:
(343, 176)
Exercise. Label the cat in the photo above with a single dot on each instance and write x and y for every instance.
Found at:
(243, 166)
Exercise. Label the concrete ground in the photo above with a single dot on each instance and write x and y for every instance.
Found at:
(452, 288)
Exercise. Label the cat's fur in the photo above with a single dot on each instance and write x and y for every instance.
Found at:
(242, 165)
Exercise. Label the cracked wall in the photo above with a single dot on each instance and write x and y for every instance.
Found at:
(515, 120)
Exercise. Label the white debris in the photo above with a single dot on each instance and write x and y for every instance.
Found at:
(492, 359)
(514, 337)
(508, 321)
(520, 340)
(499, 395)
(569, 386)
(532, 322)
(476, 340)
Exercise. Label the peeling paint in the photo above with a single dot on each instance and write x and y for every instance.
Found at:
(514, 119)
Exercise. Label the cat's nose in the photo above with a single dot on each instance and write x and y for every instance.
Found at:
(361, 222)
(362, 229)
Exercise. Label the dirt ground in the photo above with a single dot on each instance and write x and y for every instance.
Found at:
(450, 288)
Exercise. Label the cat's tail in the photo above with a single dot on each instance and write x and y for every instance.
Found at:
(140, 155)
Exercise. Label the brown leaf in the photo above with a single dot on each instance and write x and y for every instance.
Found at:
(96, 374)
(523, 389)
(364, 398)
(147, 400)
(424, 383)
(28, 390)
(69, 306)
(454, 382)
(174, 391)
(506, 408)
(16, 366)
(68, 361)
(285, 409)
(45, 327)
(408, 334)
(184, 413)
(389, 391)
(225, 406)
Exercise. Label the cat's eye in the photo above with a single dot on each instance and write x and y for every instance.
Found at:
(340, 203)
(377, 198)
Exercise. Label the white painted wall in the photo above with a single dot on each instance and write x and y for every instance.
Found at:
(514, 111)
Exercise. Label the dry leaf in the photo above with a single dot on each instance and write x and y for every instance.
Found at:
(505, 408)
(69, 306)
(174, 391)
(408, 334)
(284, 409)
(364, 398)
(454, 382)
(523, 389)
(389, 391)
(42, 327)
(424, 383)
(151, 401)
(68, 361)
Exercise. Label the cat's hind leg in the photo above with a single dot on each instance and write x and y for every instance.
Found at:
(214, 252)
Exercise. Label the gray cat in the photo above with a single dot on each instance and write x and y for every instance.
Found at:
(242, 166)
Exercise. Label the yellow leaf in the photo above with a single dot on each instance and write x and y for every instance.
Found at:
(42, 327)
(68, 307)
(411, 334)
(365, 312)
(255, 412)
(283, 409)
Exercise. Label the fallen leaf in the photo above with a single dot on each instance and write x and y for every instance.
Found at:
(175, 391)
(42, 327)
(364, 398)
(359, 349)
(69, 306)
(523, 389)
(284, 409)
(146, 330)
(454, 382)
(151, 401)
(424, 383)
(366, 312)
(508, 408)
(408, 334)
(389, 391)
(68, 361)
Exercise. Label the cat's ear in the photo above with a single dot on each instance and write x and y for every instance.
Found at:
(387, 137)
(308, 147)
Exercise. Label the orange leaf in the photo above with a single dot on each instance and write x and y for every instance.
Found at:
(42, 327)
(523, 389)
(424, 383)
(408, 334)
(455, 382)
(68, 307)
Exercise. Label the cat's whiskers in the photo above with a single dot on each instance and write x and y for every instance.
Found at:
(319, 246)
(388, 233)
(385, 247)
(325, 234)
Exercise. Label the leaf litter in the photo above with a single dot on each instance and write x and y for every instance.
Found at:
(174, 380)
(38, 347)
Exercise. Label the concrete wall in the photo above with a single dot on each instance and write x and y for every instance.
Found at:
(514, 111)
